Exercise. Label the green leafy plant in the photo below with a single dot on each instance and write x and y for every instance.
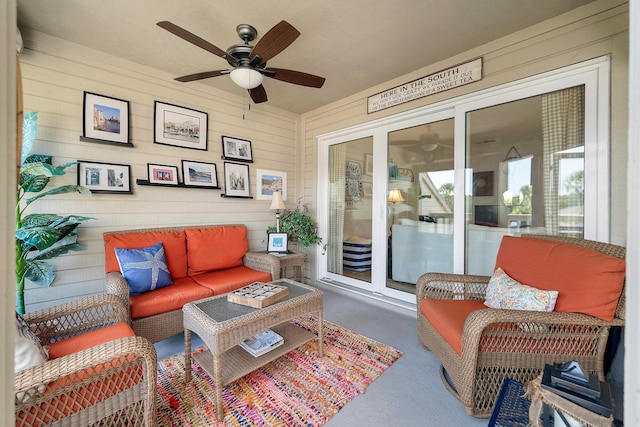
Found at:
(40, 236)
(299, 225)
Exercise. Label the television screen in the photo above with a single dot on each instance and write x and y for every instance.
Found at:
(486, 215)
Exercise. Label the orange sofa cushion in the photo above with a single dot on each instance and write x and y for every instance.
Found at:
(448, 317)
(587, 281)
(223, 281)
(174, 242)
(215, 248)
(169, 298)
(89, 339)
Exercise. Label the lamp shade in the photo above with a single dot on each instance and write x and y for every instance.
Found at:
(246, 78)
(276, 201)
(395, 196)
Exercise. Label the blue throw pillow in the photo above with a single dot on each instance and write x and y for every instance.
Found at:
(144, 269)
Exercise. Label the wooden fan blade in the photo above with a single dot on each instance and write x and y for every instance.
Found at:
(200, 76)
(191, 38)
(275, 41)
(258, 94)
(297, 77)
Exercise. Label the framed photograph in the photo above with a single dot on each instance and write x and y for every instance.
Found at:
(180, 126)
(236, 149)
(105, 119)
(405, 174)
(367, 189)
(277, 242)
(199, 174)
(104, 177)
(236, 180)
(482, 183)
(162, 174)
(270, 181)
(368, 164)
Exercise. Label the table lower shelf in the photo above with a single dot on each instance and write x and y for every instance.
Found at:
(237, 362)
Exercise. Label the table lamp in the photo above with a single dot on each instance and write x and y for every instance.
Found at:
(395, 196)
(278, 204)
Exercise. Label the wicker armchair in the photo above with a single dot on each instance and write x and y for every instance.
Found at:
(516, 344)
(110, 384)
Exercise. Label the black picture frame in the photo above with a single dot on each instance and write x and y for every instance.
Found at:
(199, 174)
(108, 178)
(105, 119)
(162, 174)
(236, 149)
(482, 184)
(277, 243)
(180, 126)
(236, 180)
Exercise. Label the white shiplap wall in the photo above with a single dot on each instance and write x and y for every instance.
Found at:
(55, 75)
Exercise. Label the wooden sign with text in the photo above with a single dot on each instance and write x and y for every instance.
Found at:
(459, 75)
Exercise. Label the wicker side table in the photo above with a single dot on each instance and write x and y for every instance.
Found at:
(291, 259)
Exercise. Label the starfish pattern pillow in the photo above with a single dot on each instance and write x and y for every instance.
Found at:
(144, 269)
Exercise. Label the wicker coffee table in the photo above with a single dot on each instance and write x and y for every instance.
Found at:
(222, 325)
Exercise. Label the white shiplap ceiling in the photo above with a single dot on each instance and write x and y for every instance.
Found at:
(354, 44)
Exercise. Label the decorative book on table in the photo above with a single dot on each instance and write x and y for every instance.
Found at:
(262, 343)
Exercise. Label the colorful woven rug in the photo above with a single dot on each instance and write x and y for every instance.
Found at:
(298, 389)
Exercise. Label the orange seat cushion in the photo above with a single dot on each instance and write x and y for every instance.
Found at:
(89, 339)
(229, 280)
(169, 298)
(448, 317)
(587, 281)
(174, 242)
(216, 248)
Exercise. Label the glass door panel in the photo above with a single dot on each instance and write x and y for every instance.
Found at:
(349, 212)
(420, 203)
(525, 167)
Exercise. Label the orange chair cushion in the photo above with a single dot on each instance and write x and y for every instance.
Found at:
(174, 242)
(89, 394)
(89, 339)
(216, 248)
(167, 299)
(228, 280)
(448, 317)
(587, 281)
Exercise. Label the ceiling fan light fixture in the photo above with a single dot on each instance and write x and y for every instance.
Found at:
(246, 78)
(429, 146)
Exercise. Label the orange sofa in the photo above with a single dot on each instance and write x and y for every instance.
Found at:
(202, 261)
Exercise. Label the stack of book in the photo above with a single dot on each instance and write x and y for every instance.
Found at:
(262, 343)
(569, 381)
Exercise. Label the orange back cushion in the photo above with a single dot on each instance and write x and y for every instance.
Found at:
(174, 242)
(215, 248)
(587, 281)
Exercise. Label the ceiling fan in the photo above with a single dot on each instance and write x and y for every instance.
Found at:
(249, 63)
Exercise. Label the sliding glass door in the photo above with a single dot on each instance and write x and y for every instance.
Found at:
(436, 189)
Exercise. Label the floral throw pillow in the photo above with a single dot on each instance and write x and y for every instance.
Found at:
(506, 292)
(144, 269)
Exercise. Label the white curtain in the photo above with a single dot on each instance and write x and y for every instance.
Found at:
(337, 161)
(562, 128)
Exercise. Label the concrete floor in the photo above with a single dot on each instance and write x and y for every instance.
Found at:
(409, 393)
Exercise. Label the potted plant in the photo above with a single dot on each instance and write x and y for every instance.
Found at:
(40, 236)
(300, 226)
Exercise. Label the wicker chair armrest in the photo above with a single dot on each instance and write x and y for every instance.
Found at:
(451, 286)
(74, 317)
(81, 366)
(511, 324)
(263, 262)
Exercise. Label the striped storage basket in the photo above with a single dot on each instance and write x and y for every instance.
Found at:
(356, 256)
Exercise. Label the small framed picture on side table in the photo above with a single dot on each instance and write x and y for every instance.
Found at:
(277, 243)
